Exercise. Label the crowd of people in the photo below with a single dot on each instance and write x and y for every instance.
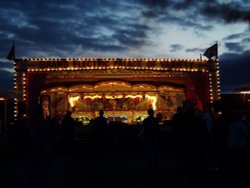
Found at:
(214, 135)
(217, 136)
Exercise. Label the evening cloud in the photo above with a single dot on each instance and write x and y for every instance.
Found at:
(60, 28)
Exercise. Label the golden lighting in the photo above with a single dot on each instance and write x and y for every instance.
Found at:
(154, 100)
(93, 97)
(58, 89)
(73, 100)
(114, 96)
(133, 96)
(113, 86)
(168, 88)
(81, 87)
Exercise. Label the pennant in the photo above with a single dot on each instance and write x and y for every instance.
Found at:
(11, 54)
(212, 52)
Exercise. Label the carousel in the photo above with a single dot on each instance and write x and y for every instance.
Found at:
(123, 88)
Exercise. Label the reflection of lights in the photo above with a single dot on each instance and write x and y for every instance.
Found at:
(72, 100)
(154, 100)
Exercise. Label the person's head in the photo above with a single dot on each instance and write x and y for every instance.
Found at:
(189, 105)
(150, 112)
(179, 109)
(101, 112)
(68, 114)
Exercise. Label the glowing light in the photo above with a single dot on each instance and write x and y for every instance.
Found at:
(73, 100)
(154, 100)
(133, 96)
(244, 92)
(93, 97)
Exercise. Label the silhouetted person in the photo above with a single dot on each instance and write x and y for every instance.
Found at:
(237, 146)
(68, 126)
(179, 111)
(99, 127)
(17, 132)
(208, 118)
(191, 136)
(37, 151)
(219, 133)
(151, 133)
(191, 145)
(100, 122)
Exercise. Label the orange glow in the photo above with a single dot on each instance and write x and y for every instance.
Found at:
(154, 100)
(73, 100)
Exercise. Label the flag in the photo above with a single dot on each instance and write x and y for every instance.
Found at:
(212, 52)
(11, 54)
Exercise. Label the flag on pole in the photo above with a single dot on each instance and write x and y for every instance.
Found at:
(11, 55)
(212, 52)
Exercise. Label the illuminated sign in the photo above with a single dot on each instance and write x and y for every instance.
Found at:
(110, 64)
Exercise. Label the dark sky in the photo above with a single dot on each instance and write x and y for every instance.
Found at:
(128, 28)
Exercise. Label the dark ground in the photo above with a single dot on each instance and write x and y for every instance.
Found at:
(122, 163)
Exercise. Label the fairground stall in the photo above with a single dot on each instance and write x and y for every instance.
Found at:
(123, 88)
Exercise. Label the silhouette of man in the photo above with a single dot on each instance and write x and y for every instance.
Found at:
(219, 133)
(100, 121)
(68, 125)
(100, 124)
(237, 146)
(191, 145)
(150, 126)
(38, 153)
(191, 137)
